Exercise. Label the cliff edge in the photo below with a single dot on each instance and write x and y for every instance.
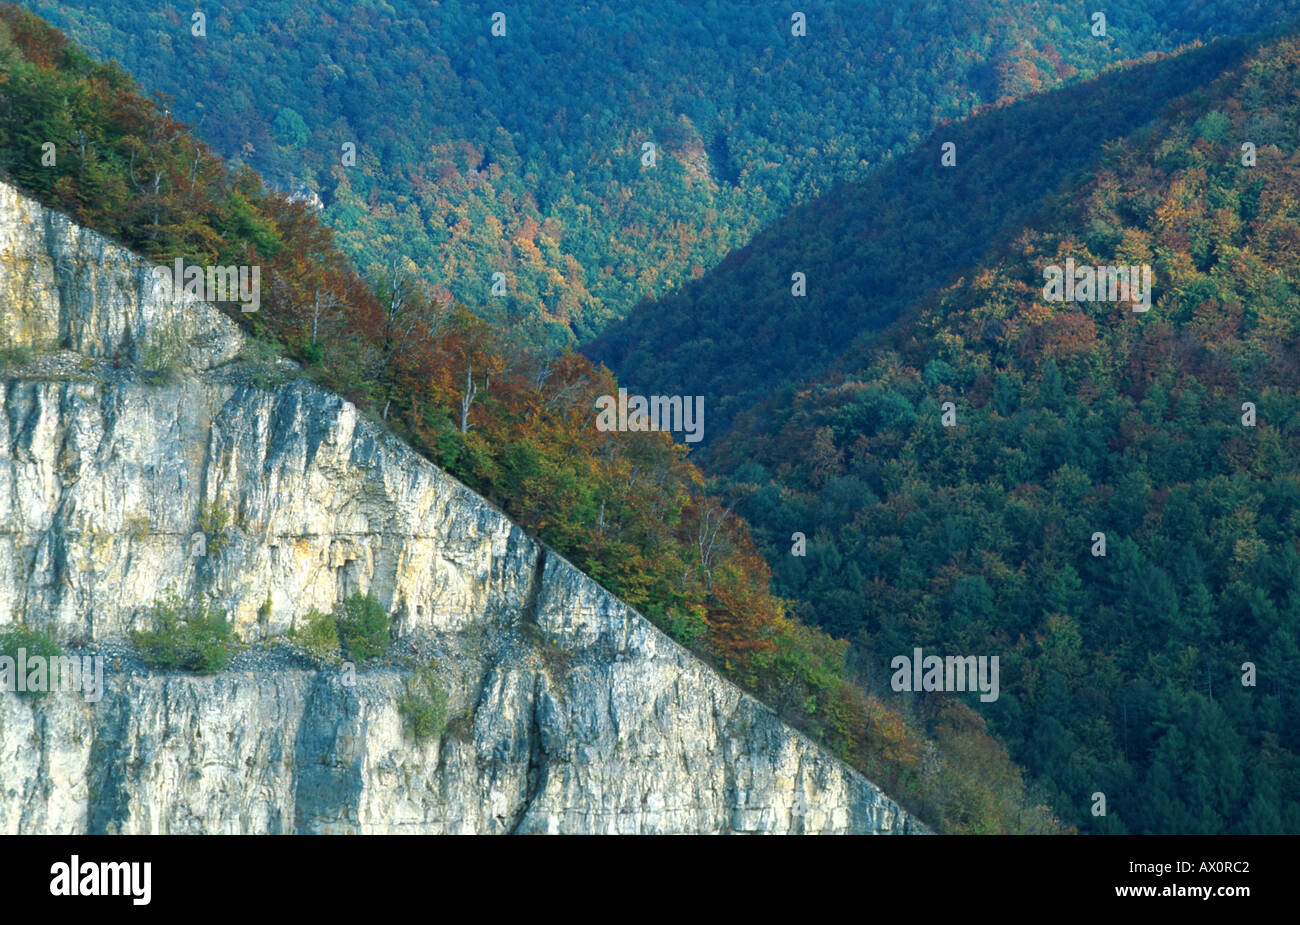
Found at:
(569, 712)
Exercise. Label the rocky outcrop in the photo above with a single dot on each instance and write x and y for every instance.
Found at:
(569, 712)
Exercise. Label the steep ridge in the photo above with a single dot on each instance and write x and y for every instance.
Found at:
(869, 250)
(1114, 508)
(569, 711)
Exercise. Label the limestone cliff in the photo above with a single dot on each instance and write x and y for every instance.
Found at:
(569, 711)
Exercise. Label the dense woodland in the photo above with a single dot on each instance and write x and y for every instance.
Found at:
(514, 423)
(739, 334)
(1121, 674)
(521, 154)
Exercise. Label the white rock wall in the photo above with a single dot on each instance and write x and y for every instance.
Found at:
(570, 712)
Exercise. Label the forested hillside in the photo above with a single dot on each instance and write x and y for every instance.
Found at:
(516, 425)
(869, 250)
(1174, 432)
(521, 153)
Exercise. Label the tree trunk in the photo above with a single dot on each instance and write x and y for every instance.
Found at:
(467, 399)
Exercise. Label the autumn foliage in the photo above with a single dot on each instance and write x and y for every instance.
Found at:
(514, 423)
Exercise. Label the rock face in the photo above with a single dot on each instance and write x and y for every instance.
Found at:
(569, 712)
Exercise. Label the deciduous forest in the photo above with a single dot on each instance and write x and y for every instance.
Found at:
(1171, 434)
(1173, 431)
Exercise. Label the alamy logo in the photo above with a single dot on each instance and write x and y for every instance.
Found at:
(658, 412)
(1086, 283)
(955, 673)
(42, 674)
(211, 283)
(105, 878)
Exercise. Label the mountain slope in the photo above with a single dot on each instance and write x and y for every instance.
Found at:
(1158, 672)
(869, 250)
(571, 712)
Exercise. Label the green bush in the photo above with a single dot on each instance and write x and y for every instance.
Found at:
(162, 353)
(686, 625)
(15, 356)
(214, 521)
(313, 354)
(319, 635)
(364, 627)
(262, 363)
(35, 642)
(139, 526)
(191, 637)
(424, 707)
